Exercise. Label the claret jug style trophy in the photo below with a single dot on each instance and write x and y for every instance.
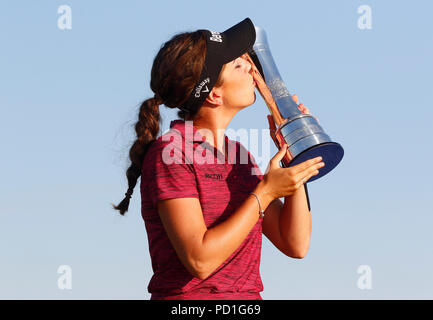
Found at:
(305, 138)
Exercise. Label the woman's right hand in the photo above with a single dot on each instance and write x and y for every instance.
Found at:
(281, 182)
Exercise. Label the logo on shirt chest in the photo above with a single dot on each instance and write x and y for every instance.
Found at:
(215, 176)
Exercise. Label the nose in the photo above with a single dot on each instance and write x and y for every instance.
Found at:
(247, 64)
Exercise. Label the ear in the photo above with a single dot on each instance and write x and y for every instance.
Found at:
(215, 96)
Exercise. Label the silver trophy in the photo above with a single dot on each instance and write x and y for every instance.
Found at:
(305, 138)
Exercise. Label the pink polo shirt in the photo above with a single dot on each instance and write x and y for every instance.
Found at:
(180, 165)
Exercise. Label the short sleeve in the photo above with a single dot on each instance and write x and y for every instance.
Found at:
(169, 175)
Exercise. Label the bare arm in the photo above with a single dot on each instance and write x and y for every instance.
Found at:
(288, 225)
(203, 250)
(295, 223)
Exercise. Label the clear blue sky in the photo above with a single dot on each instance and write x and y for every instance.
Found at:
(68, 101)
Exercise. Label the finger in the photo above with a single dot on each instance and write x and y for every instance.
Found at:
(305, 109)
(306, 164)
(279, 156)
(305, 179)
(306, 175)
(303, 176)
(295, 98)
(301, 107)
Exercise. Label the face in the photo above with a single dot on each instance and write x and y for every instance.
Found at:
(238, 84)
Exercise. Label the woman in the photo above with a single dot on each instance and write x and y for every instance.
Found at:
(201, 203)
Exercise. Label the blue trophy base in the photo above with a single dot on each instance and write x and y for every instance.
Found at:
(331, 153)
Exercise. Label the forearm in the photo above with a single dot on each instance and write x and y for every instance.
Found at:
(295, 223)
(221, 241)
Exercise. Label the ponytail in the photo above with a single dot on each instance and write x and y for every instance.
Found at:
(175, 71)
(147, 129)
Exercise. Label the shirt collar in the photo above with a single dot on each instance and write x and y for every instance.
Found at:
(189, 132)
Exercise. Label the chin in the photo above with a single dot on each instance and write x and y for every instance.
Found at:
(250, 102)
(253, 99)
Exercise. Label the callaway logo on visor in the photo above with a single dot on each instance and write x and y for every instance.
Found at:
(198, 89)
(216, 36)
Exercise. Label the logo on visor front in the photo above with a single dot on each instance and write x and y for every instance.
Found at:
(198, 89)
(216, 36)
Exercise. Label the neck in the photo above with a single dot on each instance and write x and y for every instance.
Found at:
(213, 125)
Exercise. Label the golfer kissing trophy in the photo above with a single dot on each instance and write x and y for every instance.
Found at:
(305, 138)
